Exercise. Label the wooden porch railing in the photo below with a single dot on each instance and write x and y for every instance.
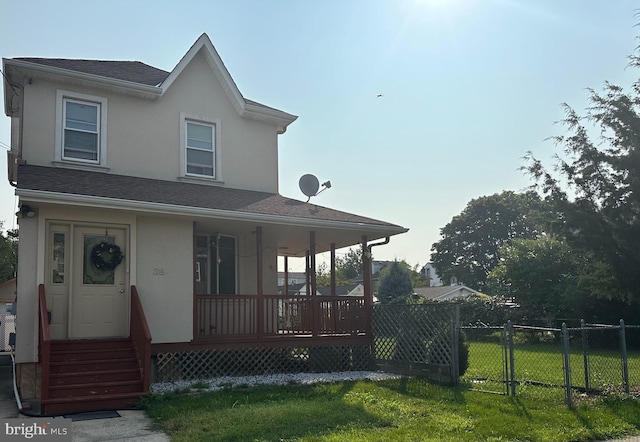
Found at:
(141, 337)
(238, 316)
(44, 343)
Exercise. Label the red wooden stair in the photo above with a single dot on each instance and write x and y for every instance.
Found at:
(92, 374)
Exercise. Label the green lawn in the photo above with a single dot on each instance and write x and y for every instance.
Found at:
(391, 410)
(543, 362)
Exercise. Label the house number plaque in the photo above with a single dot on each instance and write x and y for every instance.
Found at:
(158, 272)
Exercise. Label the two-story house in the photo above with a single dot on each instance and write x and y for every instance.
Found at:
(150, 227)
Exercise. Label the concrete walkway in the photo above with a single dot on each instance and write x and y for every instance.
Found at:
(131, 426)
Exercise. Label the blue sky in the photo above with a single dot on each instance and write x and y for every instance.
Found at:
(468, 86)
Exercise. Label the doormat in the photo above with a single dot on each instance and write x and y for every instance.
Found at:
(91, 415)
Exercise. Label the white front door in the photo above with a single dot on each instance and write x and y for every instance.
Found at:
(99, 304)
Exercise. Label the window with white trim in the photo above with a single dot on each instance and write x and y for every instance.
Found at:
(200, 149)
(81, 122)
(81, 136)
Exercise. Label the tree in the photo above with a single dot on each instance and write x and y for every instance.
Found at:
(8, 254)
(470, 243)
(537, 274)
(550, 280)
(395, 284)
(349, 266)
(596, 186)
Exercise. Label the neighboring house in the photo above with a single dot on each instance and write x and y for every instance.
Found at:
(428, 272)
(444, 293)
(7, 319)
(292, 278)
(8, 291)
(300, 289)
(343, 290)
(297, 289)
(150, 212)
(376, 268)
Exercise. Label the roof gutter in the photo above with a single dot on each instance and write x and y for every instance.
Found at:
(81, 76)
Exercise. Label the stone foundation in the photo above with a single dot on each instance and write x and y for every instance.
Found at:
(28, 375)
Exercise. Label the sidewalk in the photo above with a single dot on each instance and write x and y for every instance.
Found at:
(132, 425)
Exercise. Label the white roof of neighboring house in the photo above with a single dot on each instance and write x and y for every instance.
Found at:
(445, 292)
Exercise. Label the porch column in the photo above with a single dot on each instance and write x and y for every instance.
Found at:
(368, 287)
(259, 291)
(315, 310)
(196, 332)
(286, 276)
(333, 269)
(307, 280)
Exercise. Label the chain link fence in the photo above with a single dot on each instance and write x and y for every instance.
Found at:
(569, 364)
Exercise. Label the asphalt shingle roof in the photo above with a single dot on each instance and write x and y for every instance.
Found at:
(134, 71)
(129, 188)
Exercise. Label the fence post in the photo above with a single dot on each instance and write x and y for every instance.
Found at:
(623, 350)
(455, 342)
(585, 355)
(512, 371)
(505, 358)
(567, 364)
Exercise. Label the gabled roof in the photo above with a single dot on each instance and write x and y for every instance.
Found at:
(444, 292)
(133, 71)
(142, 79)
(341, 290)
(96, 189)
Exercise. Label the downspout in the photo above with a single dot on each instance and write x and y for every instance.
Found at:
(386, 241)
(369, 247)
(18, 153)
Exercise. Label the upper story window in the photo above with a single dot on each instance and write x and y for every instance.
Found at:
(201, 149)
(81, 130)
(200, 146)
(81, 127)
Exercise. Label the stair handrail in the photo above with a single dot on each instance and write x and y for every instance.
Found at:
(44, 343)
(141, 337)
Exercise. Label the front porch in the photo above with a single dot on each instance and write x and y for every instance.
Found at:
(257, 318)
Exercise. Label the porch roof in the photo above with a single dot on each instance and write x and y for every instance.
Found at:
(290, 219)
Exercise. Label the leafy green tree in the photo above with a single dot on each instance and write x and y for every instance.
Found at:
(470, 243)
(348, 268)
(549, 279)
(323, 275)
(596, 183)
(395, 284)
(350, 265)
(8, 254)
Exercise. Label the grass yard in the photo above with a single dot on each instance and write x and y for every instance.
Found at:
(392, 410)
(543, 362)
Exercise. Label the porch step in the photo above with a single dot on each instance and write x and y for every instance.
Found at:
(92, 365)
(80, 404)
(78, 377)
(99, 388)
(90, 375)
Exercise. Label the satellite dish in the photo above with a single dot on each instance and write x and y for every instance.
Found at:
(309, 185)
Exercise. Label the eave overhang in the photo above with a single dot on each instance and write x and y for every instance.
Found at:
(21, 70)
(38, 196)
